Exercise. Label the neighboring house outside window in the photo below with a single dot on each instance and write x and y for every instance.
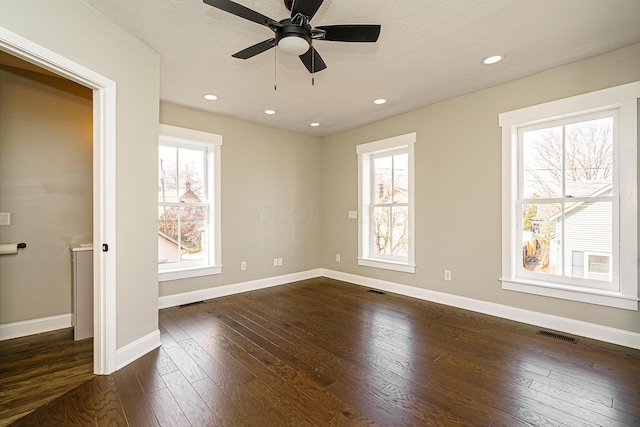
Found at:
(386, 237)
(188, 203)
(569, 225)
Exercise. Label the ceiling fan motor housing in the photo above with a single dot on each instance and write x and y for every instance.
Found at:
(292, 30)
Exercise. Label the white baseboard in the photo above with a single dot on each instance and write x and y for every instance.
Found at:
(563, 324)
(34, 326)
(221, 291)
(137, 349)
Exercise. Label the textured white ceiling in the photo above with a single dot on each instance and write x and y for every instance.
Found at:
(428, 51)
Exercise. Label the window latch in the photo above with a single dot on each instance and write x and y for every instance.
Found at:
(105, 247)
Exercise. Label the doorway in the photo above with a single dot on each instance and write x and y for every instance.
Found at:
(104, 177)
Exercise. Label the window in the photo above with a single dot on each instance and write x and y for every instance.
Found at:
(386, 203)
(188, 203)
(569, 198)
(599, 266)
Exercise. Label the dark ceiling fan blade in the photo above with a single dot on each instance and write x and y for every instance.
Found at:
(306, 7)
(255, 49)
(313, 61)
(350, 33)
(243, 12)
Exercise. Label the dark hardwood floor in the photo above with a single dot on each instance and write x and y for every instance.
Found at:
(39, 368)
(325, 353)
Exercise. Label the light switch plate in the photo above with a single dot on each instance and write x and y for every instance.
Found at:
(5, 218)
(353, 214)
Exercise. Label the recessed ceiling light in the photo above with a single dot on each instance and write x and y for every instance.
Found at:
(209, 97)
(492, 59)
(269, 112)
(314, 124)
(380, 101)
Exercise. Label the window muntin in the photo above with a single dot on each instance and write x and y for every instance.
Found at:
(188, 203)
(571, 199)
(386, 204)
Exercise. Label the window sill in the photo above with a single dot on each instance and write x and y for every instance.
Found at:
(187, 273)
(387, 265)
(586, 295)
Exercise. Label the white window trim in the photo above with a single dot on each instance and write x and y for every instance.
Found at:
(625, 99)
(188, 138)
(365, 152)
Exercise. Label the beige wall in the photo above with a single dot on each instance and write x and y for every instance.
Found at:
(270, 198)
(458, 187)
(46, 184)
(75, 31)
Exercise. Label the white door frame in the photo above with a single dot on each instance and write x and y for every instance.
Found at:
(104, 185)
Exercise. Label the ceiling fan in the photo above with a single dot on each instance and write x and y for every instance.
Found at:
(294, 35)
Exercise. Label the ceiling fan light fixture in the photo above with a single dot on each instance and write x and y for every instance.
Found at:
(293, 45)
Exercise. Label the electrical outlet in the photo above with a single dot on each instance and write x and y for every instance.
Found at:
(337, 257)
(275, 262)
(5, 218)
(243, 265)
(447, 275)
(279, 262)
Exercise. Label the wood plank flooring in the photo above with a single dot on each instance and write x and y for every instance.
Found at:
(326, 353)
(37, 369)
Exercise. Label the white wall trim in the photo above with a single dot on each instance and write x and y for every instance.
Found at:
(563, 324)
(137, 349)
(221, 291)
(34, 326)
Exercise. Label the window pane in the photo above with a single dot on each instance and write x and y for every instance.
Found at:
(181, 234)
(383, 172)
(541, 233)
(167, 179)
(191, 175)
(542, 163)
(599, 264)
(192, 233)
(381, 230)
(589, 157)
(168, 251)
(401, 178)
(588, 229)
(400, 231)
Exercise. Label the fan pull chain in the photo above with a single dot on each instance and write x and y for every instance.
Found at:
(275, 70)
(313, 65)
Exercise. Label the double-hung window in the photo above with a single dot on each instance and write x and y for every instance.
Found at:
(386, 238)
(188, 203)
(570, 198)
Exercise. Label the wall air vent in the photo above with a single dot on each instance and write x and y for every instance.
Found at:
(190, 304)
(566, 338)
